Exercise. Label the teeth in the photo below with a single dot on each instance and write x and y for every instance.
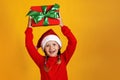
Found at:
(51, 51)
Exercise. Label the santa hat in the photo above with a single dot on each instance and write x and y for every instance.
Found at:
(49, 35)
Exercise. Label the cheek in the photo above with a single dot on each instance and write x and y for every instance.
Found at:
(46, 49)
(57, 47)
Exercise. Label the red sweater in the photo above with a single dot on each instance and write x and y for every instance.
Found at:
(57, 71)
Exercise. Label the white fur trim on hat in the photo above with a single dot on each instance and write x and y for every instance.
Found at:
(50, 38)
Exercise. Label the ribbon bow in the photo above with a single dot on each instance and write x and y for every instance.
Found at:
(38, 16)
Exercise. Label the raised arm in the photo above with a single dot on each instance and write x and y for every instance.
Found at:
(30, 46)
(71, 43)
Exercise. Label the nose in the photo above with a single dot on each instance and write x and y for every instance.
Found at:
(51, 47)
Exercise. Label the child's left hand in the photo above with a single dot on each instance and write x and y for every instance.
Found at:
(61, 23)
(29, 22)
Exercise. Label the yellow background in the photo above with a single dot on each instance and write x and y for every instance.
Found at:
(95, 23)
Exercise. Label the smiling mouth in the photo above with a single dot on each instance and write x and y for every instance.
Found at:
(51, 52)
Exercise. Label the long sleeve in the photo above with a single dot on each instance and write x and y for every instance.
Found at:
(71, 43)
(31, 48)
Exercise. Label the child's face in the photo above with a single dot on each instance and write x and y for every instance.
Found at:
(51, 48)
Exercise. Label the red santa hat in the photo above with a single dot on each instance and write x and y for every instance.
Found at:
(49, 35)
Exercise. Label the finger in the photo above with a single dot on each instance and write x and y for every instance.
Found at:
(29, 22)
(61, 22)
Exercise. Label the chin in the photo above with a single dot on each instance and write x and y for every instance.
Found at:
(53, 55)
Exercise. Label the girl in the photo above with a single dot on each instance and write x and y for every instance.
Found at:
(53, 65)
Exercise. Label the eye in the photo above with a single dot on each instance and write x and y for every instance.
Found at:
(47, 45)
(54, 44)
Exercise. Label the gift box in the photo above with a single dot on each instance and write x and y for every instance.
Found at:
(44, 15)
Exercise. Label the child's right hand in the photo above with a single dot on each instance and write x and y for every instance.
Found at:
(29, 22)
